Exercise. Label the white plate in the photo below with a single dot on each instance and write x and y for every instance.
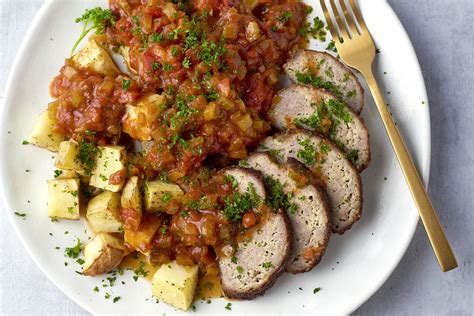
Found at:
(355, 265)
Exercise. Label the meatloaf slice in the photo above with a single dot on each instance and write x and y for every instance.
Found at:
(308, 211)
(322, 70)
(260, 260)
(317, 109)
(329, 165)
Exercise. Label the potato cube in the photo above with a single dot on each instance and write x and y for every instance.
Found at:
(175, 284)
(103, 212)
(141, 238)
(158, 194)
(63, 198)
(110, 160)
(67, 157)
(44, 135)
(102, 254)
(94, 57)
(131, 197)
(139, 118)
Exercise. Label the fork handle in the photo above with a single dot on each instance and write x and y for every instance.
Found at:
(439, 242)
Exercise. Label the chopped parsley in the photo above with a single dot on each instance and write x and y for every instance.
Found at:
(140, 271)
(233, 259)
(174, 51)
(166, 197)
(327, 117)
(57, 173)
(126, 84)
(74, 252)
(353, 155)
(316, 31)
(233, 182)
(155, 37)
(23, 215)
(239, 269)
(167, 67)
(213, 96)
(87, 156)
(267, 265)
(186, 62)
(318, 82)
(94, 19)
(332, 46)
(277, 198)
(25, 142)
(285, 17)
(210, 52)
(307, 153)
(316, 290)
(163, 230)
(116, 299)
(228, 306)
(237, 204)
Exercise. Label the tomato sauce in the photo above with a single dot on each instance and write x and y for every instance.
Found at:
(216, 63)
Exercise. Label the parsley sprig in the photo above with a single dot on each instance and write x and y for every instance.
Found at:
(94, 19)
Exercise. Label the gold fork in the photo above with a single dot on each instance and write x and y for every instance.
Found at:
(357, 49)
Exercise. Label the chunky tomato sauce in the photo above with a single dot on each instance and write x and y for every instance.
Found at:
(216, 63)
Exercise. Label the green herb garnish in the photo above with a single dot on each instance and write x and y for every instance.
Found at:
(74, 252)
(277, 198)
(237, 204)
(94, 19)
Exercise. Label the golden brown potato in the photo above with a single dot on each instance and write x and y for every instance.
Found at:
(103, 212)
(95, 57)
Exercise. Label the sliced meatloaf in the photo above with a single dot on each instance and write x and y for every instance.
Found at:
(306, 206)
(322, 70)
(316, 109)
(329, 165)
(260, 260)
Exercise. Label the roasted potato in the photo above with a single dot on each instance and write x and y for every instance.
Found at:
(131, 196)
(63, 198)
(103, 213)
(158, 194)
(95, 57)
(175, 284)
(110, 160)
(102, 254)
(67, 157)
(44, 134)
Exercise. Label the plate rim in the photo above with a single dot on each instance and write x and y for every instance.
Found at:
(12, 77)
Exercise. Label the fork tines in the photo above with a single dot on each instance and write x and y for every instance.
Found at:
(346, 23)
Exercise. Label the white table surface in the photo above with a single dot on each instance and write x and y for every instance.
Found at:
(443, 35)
